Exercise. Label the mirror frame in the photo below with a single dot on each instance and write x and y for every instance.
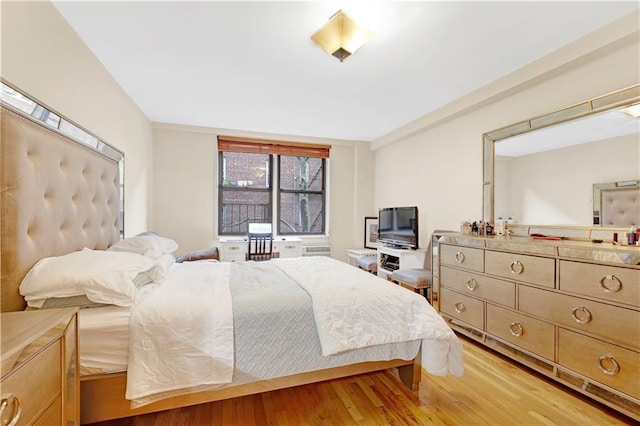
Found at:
(617, 99)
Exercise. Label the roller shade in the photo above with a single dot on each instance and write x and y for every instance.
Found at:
(264, 146)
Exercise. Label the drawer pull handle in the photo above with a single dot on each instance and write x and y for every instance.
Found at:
(472, 284)
(617, 284)
(234, 248)
(613, 368)
(460, 308)
(516, 267)
(582, 319)
(516, 329)
(459, 257)
(7, 400)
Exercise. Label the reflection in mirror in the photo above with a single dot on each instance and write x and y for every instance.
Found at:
(617, 204)
(545, 174)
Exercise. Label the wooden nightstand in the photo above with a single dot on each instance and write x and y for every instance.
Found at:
(39, 367)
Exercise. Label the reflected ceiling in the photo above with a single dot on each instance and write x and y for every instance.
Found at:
(606, 125)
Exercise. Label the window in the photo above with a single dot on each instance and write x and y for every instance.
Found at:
(301, 195)
(245, 191)
(247, 179)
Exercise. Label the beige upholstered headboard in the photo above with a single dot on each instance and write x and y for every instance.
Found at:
(57, 196)
(621, 207)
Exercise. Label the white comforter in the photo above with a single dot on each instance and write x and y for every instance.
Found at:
(356, 310)
(181, 334)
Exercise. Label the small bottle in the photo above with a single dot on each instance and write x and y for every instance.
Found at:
(488, 229)
(474, 228)
(500, 226)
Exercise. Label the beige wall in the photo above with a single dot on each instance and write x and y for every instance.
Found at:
(436, 161)
(185, 191)
(44, 57)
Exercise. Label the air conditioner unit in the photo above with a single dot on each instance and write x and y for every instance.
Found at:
(316, 250)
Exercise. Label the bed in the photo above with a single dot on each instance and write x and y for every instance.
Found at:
(60, 198)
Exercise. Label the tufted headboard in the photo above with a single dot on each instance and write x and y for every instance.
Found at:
(621, 207)
(57, 196)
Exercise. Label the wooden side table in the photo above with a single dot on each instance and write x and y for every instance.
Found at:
(40, 371)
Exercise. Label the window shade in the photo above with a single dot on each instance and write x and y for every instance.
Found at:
(263, 146)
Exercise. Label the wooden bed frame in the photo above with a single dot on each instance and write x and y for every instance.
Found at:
(53, 212)
(102, 397)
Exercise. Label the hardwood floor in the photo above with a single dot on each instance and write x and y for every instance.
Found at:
(493, 391)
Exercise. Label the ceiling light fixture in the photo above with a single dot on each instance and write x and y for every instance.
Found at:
(633, 111)
(341, 36)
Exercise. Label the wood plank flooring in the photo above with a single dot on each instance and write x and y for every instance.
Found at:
(493, 391)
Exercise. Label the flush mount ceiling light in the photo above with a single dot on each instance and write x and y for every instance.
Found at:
(633, 111)
(341, 36)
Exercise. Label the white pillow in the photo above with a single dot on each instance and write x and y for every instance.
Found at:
(147, 244)
(103, 276)
(168, 245)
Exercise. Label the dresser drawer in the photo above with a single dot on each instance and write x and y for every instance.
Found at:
(36, 382)
(464, 308)
(522, 268)
(610, 322)
(462, 257)
(476, 285)
(52, 416)
(528, 333)
(606, 363)
(602, 281)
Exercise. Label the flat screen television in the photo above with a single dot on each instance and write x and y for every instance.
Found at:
(398, 227)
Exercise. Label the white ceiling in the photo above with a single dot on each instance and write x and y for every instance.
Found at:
(251, 65)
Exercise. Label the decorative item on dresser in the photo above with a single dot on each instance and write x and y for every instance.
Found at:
(40, 380)
(569, 309)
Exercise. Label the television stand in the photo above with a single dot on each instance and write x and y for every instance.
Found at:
(391, 259)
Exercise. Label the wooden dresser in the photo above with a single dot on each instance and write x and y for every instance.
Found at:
(568, 309)
(39, 370)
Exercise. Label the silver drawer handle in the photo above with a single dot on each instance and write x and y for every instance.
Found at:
(582, 319)
(516, 329)
(516, 267)
(612, 369)
(234, 248)
(472, 284)
(7, 400)
(460, 308)
(617, 284)
(459, 257)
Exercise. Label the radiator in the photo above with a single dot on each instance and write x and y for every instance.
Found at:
(316, 250)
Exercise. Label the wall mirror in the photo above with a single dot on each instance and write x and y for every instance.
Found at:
(551, 169)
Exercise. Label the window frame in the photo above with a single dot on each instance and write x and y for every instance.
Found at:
(322, 192)
(275, 149)
(221, 189)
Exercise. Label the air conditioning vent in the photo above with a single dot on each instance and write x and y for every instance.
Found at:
(316, 250)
